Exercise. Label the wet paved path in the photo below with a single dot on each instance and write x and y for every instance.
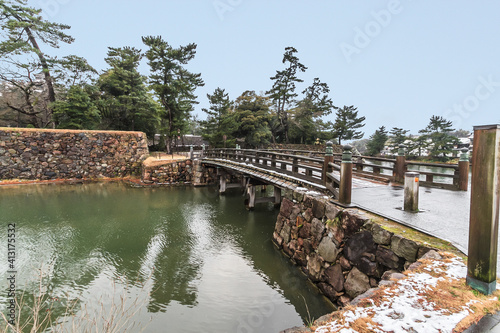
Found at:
(445, 213)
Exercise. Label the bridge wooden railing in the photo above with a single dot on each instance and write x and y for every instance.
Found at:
(432, 174)
(320, 170)
(437, 175)
(305, 168)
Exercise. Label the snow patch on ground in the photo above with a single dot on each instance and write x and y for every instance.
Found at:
(404, 308)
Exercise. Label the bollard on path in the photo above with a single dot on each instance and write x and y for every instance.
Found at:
(411, 191)
(484, 209)
(345, 189)
(463, 170)
(400, 167)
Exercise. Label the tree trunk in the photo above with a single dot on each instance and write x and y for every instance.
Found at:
(48, 79)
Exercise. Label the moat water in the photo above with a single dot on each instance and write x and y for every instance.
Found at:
(162, 259)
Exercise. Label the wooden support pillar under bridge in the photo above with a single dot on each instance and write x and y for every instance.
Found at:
(253, 199)
(249, 187)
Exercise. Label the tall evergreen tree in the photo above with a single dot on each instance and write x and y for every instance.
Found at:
(346, 124)
(250, 119)
(213, 129)
(398, 136)
(172, 84)
(77, 110)
(377, 140)
(307, 124)
(438, 131)
(126, 103)
(282, 92)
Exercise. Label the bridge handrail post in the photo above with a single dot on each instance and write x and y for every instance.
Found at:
(202, 150)
(484, 209)
(326, 163)
(273, 160)
(400, 165)
(463, 170)
(345, 189)
(295, 165)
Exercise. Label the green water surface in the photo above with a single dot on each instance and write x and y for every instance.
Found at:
(162, 259)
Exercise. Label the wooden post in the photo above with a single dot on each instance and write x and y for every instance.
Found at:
(273, 160)
(484, 209)
(277, 196)
(223, 183)
(346, 176)
(463, 170)
(251, 196)
(295, 165)
(400, 167)
(328, 160)
(411, 191)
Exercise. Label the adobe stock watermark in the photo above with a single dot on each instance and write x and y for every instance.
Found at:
(461, 111)
(224, 6)
(371, 30)
(51, 8)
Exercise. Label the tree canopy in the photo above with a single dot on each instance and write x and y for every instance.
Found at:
(346, 124)
(172, 84)
(377, 140)
(282, 93)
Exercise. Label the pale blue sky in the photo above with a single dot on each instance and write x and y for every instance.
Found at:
(398, 62)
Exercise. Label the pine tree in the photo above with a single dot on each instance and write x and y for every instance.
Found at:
(213, 129)
(377, 140)
(346, 124)
(172, 84)
(77, 110)
(24, 32)
(125, 103)
(283, 93)
(398, 136)
(307, 124)
(441, 141)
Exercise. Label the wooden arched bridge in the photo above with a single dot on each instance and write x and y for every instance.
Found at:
(330, 174)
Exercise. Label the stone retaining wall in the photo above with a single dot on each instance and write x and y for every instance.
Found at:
(179, 172)
(343, 252)
(64, 154)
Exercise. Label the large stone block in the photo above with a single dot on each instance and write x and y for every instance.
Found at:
(327, 290)
(305, 231)
(317, 229)
(356, 283)
(404, 247)
(286, 207)
(331, 211)
(280, 221)
(358, 244)
(335, 277)
(351, 223)
(300, 258)
(380, 235)
(314, 266)
(328, 250)
(388, 258)
(318, 209)
(285, 233)
(367, 266)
